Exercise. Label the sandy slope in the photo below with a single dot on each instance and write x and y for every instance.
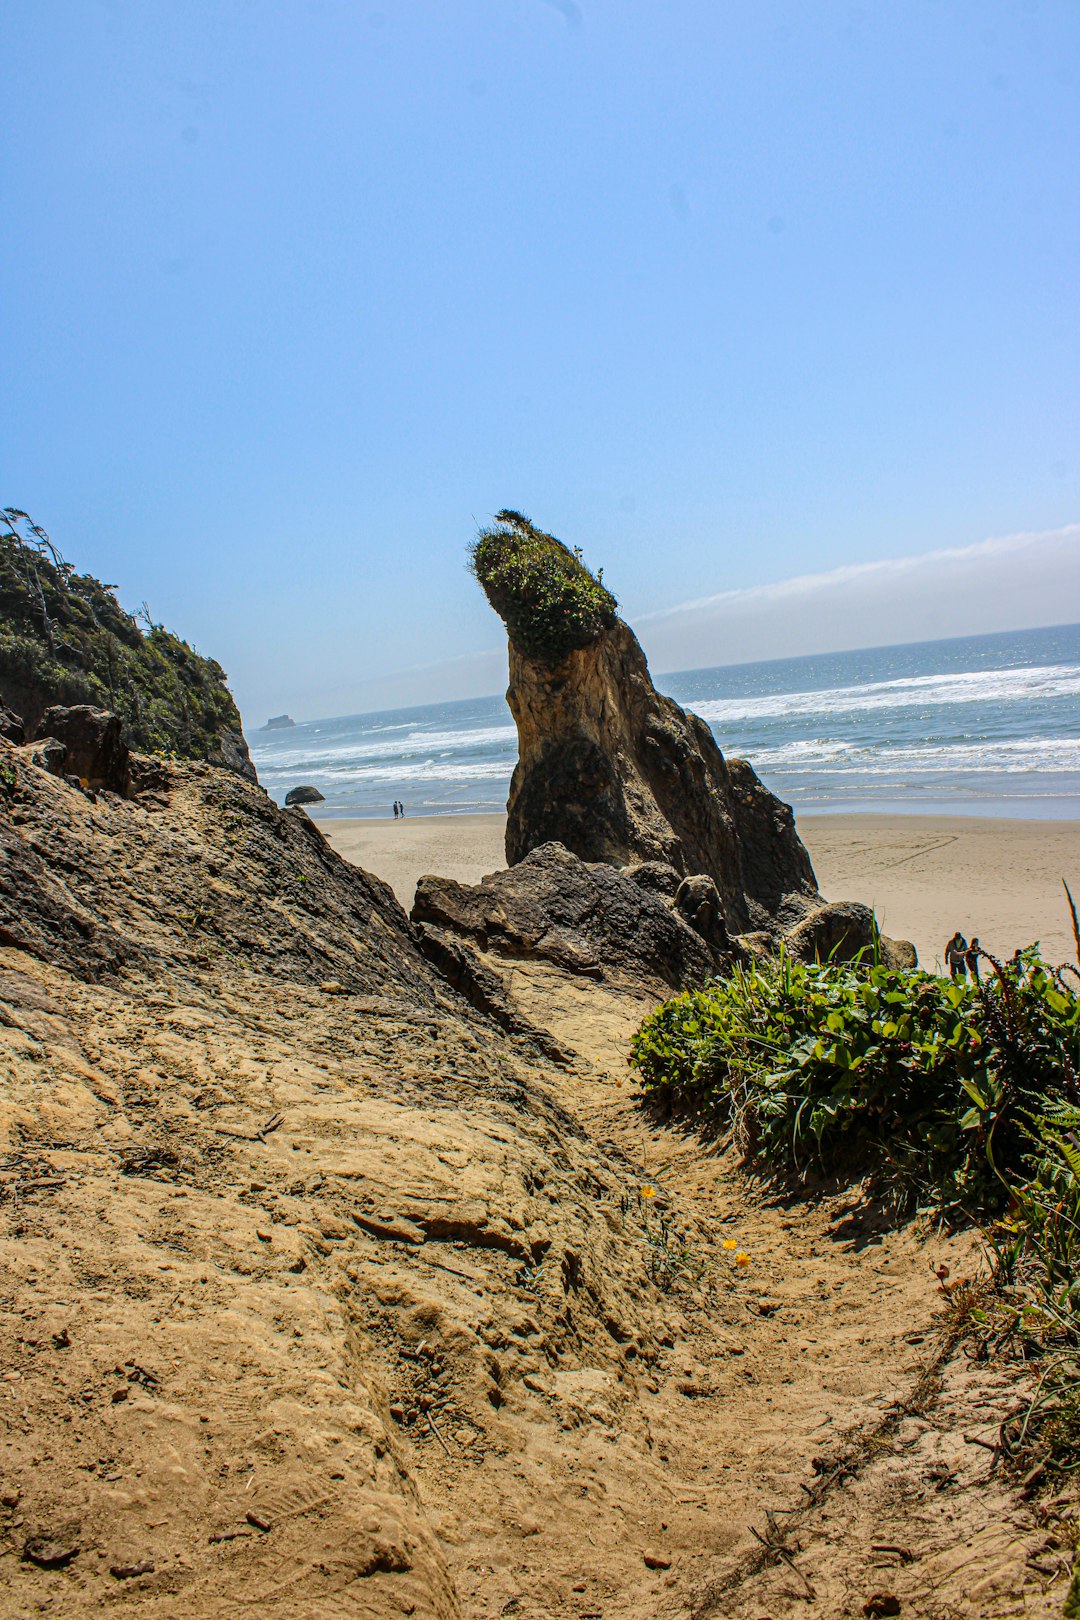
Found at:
(324, 1298)
(926, 875)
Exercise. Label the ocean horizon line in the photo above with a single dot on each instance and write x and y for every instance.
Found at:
(698, 669)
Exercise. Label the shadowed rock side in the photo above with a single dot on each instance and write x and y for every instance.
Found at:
(613, 770)
(590, 920)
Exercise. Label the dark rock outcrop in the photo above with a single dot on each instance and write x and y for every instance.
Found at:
(279, 722)
(586, 918)
(11, 726)
(304, 795)
(617, 772)
(93, 743)
(231, 752)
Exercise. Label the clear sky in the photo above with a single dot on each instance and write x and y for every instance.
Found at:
(296, 294)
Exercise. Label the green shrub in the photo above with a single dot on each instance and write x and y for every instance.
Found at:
(929, 1084)
(965, 1095)
(549, 601)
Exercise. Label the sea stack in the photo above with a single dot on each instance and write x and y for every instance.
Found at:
(607, 765)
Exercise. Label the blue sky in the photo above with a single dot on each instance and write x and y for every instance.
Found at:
(294, 295)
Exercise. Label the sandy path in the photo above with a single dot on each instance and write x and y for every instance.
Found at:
(926, 875)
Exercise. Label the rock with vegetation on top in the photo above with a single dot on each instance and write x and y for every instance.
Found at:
(304, 795)
(619, 774)
(279, 722)
(65, 640)
(607, 765)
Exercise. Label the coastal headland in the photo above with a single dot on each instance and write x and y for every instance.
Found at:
(925, 876)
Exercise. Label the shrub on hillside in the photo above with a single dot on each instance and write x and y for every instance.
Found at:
(64, 638)
(930, 1084)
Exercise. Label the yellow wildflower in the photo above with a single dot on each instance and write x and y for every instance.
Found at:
(730, 1243)
(648, 1192)
(742, 1259)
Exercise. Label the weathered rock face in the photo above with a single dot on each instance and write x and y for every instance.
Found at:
(231, 752)
(93, 742)
(11, 726)
(589, 919)
(618, 773)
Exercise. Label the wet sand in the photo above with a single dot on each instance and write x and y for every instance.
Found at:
(925, 875)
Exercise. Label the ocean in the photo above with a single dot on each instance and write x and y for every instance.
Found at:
(979, 725)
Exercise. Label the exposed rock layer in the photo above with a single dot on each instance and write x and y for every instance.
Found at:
(323, 1297)
(619, 773)
(588, 919)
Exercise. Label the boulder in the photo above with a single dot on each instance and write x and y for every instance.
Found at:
(304, 795)
(93, 743)
(586, 918)
(50, 755)
(609, 767)
(697, 901)
(654, 876)
(840, 930)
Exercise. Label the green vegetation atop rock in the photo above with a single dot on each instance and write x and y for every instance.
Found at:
(549, 601)
(65, 639)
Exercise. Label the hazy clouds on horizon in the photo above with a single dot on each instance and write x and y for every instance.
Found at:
(1010, 582)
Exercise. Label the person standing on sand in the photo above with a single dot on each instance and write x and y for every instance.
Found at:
(974, 951)
(956, 956)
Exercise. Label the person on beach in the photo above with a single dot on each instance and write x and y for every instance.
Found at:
(974, 951)
(956, 956)
(395, 809)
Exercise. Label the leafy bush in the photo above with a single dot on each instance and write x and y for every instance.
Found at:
(64, 638)
(549, 601)
(930, 1084)
(967, 1095)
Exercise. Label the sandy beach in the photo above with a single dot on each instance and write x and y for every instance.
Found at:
(925, 875)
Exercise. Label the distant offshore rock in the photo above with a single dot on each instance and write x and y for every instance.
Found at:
(279, 722)
(304, 795)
